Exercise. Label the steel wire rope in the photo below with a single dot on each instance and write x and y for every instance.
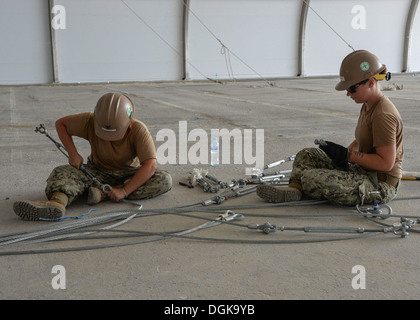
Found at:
(371, 217)
(104, 218)
(9, 239)
(328, 25)
(236, 56)
(238, 241)
(327, 229)
(317, 229)
(65, 235)
(224, 46)
(226, 52)
(178, 233)
(175, 210)
(62, 232)
(111, 216)
(178, 210)
(164, 40)
(163, 236)
(265, 204)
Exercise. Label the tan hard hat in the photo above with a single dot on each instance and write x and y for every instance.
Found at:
(358, 66)
(112, 116)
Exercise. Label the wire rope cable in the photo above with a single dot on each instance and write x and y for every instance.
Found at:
(66, 231)
(328, 25)
(225, 50)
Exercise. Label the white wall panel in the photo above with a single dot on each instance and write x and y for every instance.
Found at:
(106, 41)
(25, 54)
(414, 60)
(263, 34)
(383, 33)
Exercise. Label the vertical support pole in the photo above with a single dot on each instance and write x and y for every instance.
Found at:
(301, 42)
(185, 49)
(53, 44)
(408, 34)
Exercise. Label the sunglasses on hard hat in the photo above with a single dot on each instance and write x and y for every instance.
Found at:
(353, 89)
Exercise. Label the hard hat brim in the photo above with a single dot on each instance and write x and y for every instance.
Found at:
(109, 135)
(343, 85)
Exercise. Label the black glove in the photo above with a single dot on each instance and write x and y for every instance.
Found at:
(337, 153)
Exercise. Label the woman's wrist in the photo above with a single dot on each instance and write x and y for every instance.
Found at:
(125, 192)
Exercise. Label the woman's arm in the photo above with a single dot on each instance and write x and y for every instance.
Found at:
(143, 174)
(382, 160)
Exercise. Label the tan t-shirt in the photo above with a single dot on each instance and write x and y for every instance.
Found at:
(381, 126)
(136, 146)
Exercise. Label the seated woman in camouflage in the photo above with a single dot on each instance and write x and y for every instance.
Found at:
(123, 156)
(370, 168)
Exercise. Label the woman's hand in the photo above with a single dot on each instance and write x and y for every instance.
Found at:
(116, 194)
(75, 160)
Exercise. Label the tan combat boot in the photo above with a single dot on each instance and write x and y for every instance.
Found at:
(276, 194)
(95, 196)
(52, 209)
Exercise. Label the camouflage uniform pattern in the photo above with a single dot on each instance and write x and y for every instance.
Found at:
(343, 186)
(74, 182)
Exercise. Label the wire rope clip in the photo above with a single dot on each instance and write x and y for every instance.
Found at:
(400, 229)
(266, 227)
(230, 215)
(375, 211)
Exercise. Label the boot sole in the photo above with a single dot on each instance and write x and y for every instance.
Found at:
(276, 195)
(31, 212)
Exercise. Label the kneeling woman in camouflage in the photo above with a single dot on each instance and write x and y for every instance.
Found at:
(123, 156)
(370, 168)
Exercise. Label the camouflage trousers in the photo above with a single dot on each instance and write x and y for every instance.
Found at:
(344, 186)
(74, 182)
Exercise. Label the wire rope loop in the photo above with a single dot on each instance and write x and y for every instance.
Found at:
(375, 211)
(106, 188)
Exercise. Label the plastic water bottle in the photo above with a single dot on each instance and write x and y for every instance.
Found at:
(214, 152)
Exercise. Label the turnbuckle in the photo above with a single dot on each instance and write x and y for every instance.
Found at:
(105, 187)
(41, 129)
(274, 164)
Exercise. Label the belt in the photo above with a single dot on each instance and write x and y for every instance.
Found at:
(391, 180)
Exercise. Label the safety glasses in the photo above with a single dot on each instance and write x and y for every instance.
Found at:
(353, 89)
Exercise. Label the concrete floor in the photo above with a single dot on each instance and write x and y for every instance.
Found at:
(254, 265)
